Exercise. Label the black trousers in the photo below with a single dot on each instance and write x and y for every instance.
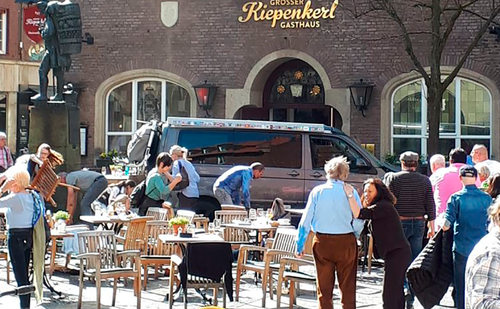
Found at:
(396, 264)
(187, 203)
(20, 244)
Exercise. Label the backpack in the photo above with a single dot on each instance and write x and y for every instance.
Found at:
(184, 183)
(138, 194)
(144, 142)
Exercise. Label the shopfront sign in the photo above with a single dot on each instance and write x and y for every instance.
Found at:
(32, 23)
(287, 14)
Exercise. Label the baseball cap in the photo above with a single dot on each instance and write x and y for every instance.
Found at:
(408, 156)
(468, 171)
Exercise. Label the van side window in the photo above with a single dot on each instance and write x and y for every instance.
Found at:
(326, 148)
(208, 146)
(273, 149)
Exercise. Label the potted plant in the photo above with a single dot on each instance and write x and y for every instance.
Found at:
(61, 217)
(106, 159)
(178, 222)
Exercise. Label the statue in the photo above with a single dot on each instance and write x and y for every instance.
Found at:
(62, 33)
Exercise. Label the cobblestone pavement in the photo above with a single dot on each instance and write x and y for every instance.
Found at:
(369, 289)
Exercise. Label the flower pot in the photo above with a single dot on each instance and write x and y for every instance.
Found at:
(61, 226)
(176, 227)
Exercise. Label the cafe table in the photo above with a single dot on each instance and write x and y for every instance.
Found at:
(259, 228)
(54, 236)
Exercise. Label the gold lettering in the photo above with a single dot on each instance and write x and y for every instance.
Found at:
(325, 12)
(287, 14)
(316, 13)
(307, 11)
(269, 15)
(301, 2)
(262, 15)
(335, 4)
(278, 14)
(250, 9)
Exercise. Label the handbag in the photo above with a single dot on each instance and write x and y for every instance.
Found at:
(184, 183)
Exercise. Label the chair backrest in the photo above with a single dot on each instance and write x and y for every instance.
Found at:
(227, 216)
(135, 238)
(186, 214)
(102, 242)
(231, 207)
(154, 245)
(284, 240)
(46, 181)
(158, 213)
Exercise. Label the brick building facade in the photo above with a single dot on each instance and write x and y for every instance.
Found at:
(139, 68)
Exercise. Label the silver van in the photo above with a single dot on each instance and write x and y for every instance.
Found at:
(294, 155)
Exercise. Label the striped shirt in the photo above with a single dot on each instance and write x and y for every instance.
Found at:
(413, 192)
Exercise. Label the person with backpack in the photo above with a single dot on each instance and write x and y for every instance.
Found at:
(188, 194)
(158, 184)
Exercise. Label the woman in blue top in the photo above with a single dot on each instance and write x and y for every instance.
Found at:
(159, 183)
(20, 210)
(187, 197)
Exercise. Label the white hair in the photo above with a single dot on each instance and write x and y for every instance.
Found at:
(337, 168)
(437, 159)
(3, 135)
(179, 151)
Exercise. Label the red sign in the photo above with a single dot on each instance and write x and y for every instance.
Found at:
(33, 19)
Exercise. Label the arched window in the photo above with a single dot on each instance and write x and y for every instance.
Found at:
(132, 104)
(465, 117)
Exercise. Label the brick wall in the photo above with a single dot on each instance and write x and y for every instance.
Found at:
(208, 43)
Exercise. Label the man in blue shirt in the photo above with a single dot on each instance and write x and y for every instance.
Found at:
(467, 213)
(227, 187)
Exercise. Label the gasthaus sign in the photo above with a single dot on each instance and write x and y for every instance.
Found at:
(287, 14)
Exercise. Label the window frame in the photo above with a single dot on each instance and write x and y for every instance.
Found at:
(457, 136)
(3, 25)
(135, 90)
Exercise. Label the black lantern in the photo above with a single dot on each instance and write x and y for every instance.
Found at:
(361, 93)
(205, 95)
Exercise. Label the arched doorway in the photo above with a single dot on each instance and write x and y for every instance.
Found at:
(294, 92)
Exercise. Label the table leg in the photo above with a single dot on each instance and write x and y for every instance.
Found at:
(53, 249)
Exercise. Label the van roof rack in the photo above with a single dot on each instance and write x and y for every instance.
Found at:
(246, 124)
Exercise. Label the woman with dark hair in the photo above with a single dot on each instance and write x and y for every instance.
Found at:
(159, 183)
(494, 186)
(385, 226)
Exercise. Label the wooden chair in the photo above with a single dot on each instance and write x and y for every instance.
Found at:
(232, 207)
(99, 259)
(186, 214)
(195, 260)
(135, 237)
(158, 213)
(4, 252)
(157, 253)
(46, 181)
(289, 271)
(283, 245)
(231, 235)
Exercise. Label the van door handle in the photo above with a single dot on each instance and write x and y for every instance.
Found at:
(294, 173)
(316, 175)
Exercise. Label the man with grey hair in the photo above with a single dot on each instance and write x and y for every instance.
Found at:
(329, 215)
(415, 205)
(436, 162)
(479, 156)
(5, 154)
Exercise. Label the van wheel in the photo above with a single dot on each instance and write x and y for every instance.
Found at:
(207, 206)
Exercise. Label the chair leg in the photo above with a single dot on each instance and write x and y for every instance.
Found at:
(138, 279)
(238, 279)
(185, 296)
(171, 287)
(370, 254)
(264, 288)
(224, 294)
(80, 289)
(156, 272)
(98, 287)
(291, 293)
(278, 290)
(216, 292)
(115, 287)
(145, 281)
(8, 270)
(270, 278)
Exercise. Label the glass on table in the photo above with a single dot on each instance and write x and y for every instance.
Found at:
(260, 212)
(252, 214)
(217, 223)
(103, 170)
(211, 228)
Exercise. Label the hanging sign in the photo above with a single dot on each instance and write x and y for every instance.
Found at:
(32, 22)
(287, 14)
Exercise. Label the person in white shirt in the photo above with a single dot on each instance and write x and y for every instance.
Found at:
(479, 156)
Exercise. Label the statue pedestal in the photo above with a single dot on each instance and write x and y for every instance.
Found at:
(59, 126)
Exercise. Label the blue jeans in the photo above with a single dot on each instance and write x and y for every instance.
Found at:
(414, 232)
(459, 263)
